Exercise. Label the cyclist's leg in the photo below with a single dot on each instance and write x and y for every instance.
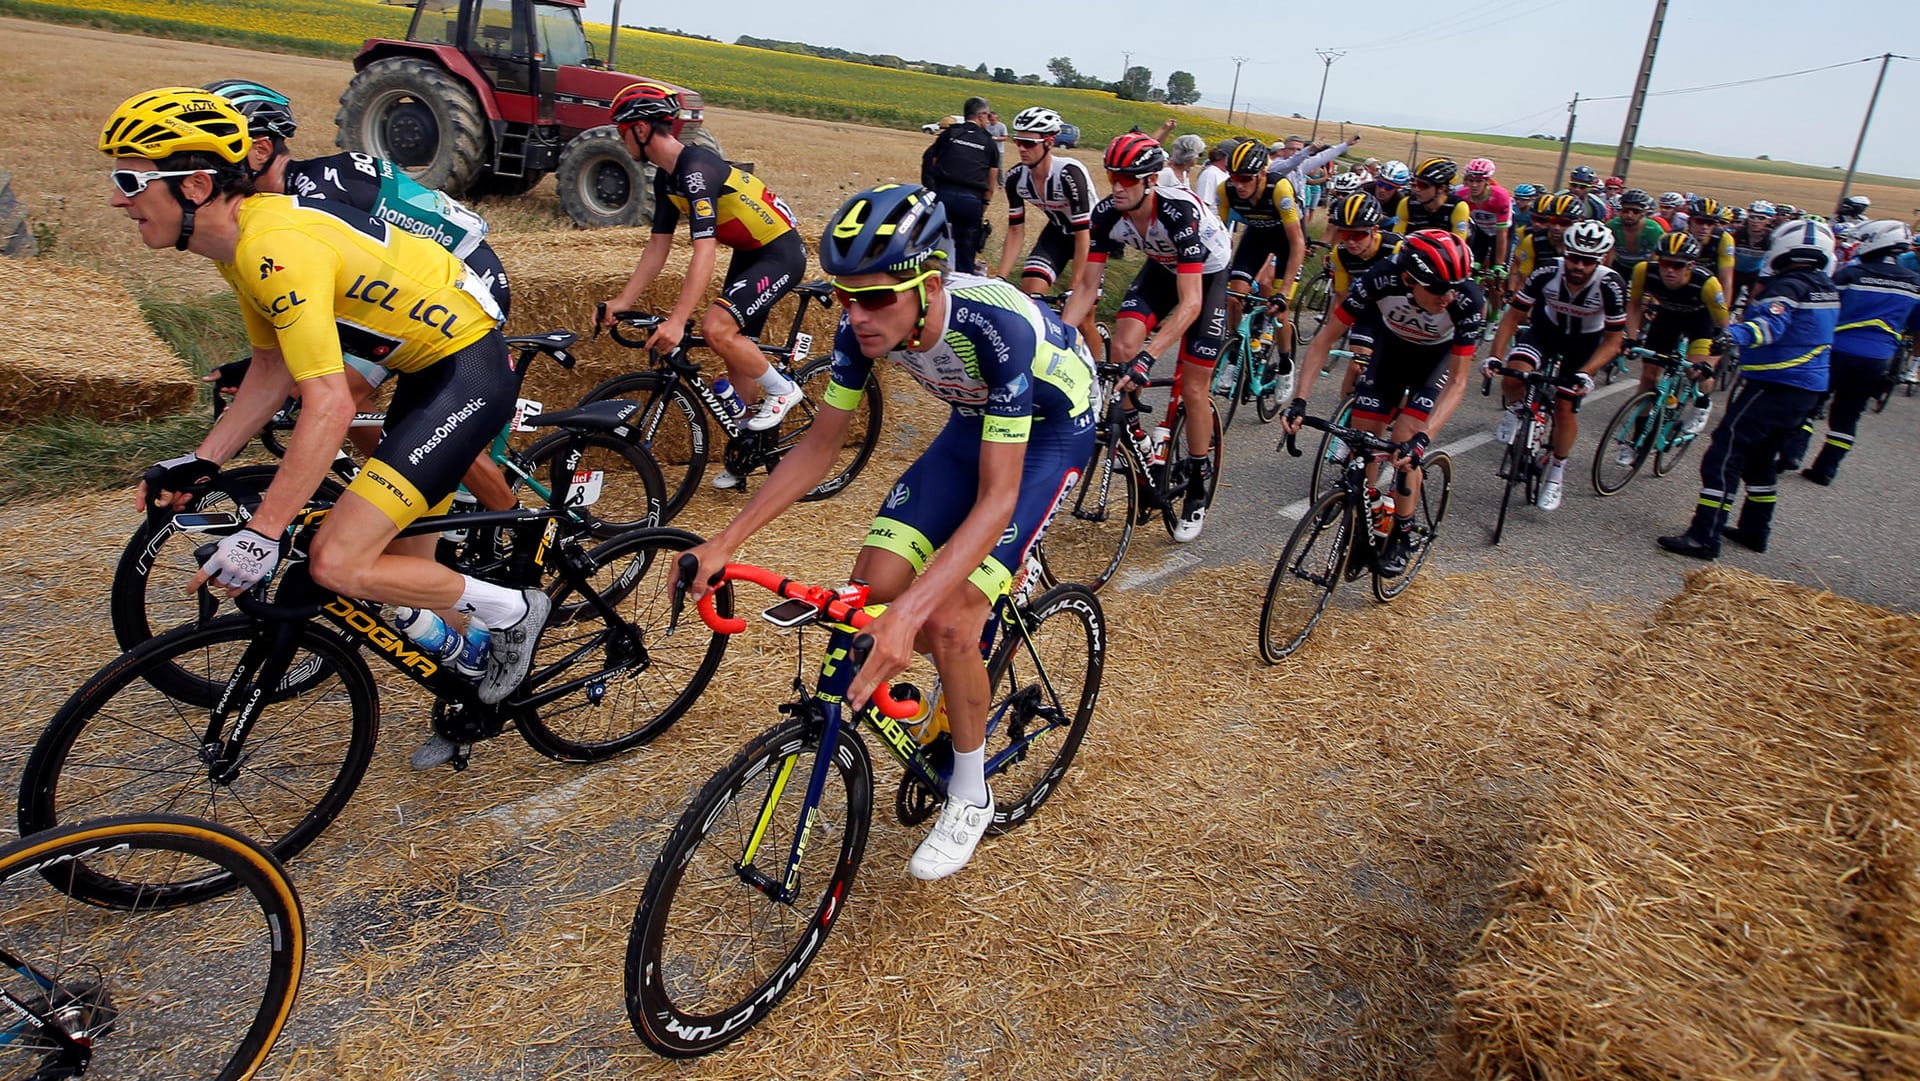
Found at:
(1423, 396)
(1200, 350)
(756, 280)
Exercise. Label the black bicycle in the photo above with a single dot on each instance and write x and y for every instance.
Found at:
(274, 730)
(1523, 461)
(125, 982)
(1130, 475)
(677, 401)
(1343, 533)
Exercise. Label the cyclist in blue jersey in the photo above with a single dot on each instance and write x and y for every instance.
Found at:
(1021, 387)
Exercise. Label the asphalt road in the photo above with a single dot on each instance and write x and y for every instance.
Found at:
(1855, 538)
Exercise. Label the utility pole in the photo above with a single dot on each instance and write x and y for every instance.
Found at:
(1853, 164)
(1234, 96)
(1623, 155)
(1327, 57)
(613, 39)
(1413, 155)
(1566, 144)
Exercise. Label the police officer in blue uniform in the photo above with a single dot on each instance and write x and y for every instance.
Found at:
(1784, 346)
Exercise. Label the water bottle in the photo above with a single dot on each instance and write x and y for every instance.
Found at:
(1158, 455)
(431, 633)
(723, 390)
(1379, 514)
(463, 503)
(926, 725)
(1139, 436)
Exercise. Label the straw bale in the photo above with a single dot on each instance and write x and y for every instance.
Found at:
(1724, 884)
(51, 356)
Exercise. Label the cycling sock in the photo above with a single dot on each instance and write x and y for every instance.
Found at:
(773, 382)
(969, 776)
(1556, 470)
(493, 606)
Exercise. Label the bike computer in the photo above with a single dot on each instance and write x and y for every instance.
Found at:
(790, 613)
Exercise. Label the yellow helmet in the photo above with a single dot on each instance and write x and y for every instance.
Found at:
(176, 120)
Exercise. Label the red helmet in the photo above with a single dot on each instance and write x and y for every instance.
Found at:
(646, 103)
(1615, 183)
(1134, 154)
(1435, 258)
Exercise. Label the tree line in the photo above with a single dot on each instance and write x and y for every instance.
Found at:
(1136, 85)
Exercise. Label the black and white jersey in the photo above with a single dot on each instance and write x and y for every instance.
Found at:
(1596, 308)
(1065, 194)
(1181, 236)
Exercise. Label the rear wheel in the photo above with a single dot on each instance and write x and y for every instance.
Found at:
(1310, 566)
(1045, 675)
(616, 486)
(1088, 536)
(1177, 453)
(673, 429)
(1624, 446)
(863, 434)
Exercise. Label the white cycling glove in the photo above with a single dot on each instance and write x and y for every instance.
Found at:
(1582, 382)
(243, 559)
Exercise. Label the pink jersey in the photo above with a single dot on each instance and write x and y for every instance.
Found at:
(1495, 212)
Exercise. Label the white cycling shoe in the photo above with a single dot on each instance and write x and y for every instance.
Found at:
(772, 409)
(956, 833)
(1550, 493)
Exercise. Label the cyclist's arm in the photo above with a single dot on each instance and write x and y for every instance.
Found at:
(1501, 234)
(262, 392)
(326, 412)
(694, 286)
(1086, 288)
(1613, 300)
(1716, 301)
(1296, 255)
(652, 258)
(1462, 220)
(1016, 229)
(1635, 307)
(1318, 349)
(1509, 327)
(1724, 265)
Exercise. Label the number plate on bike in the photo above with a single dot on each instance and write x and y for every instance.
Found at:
(524, 410)
(585, 491)
(790, 613)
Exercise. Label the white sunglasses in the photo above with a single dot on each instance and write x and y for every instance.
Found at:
(132, 182)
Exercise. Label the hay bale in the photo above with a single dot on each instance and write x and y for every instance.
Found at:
(73, 342)
(1724, 886)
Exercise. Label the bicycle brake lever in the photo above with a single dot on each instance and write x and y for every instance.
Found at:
(682, 581)
(1292, 448)
(599, 317)
(1486, 386)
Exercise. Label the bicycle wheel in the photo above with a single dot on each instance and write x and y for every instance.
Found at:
(1634, 429)
(1088, 536)
(1316, 300)
(673, 429)
(1673, 445)
(1330, 458)
(711, 953)
(863, 434)
(1176, 451)
(1436, 493)
(1309, 567)
(119, 746)
(1237, 356)
(1045, 675)
(1276, 386)
(1516, 466)
(200, 991)
(629, 692)
(617, 485)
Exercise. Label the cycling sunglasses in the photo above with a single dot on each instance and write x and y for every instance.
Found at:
(1122, 180)
(1552, 223)
(1675, 264)
(132, 182)
(1029, 144)
(1580, 260)
(876, 297)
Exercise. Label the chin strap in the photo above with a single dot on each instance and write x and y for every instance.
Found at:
(186, 214)
(915, 342)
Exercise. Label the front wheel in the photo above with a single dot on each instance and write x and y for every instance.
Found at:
(148, 990)
(1516, 468)
(863, 434)
(1045, 675)
(119, 746)
(1330, 460)
(1088, 536)
(1436, 492)
(711, 952)
(1624, 446)
(1310, 566)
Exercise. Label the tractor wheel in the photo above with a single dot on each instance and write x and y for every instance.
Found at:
(602, 186)
(419, 116)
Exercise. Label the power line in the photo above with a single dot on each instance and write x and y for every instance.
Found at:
(1752, 81)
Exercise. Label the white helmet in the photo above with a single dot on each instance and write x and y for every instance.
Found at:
(1800, 243)
(1871, 237)
(1671, 199)
(1038, 120)
(1588, 237)
(1348, 183)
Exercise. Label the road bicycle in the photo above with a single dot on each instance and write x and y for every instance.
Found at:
(615, 487)
(1523, 462)
(126, 983)
(1129, 476)
(1313, 302)
(1903, 375)
(679, 406)
(758, 869)
(1650, 426)
(1248, 370)
(1344, 531)
(275, 729)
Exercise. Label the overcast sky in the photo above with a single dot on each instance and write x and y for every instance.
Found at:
(1506, 66)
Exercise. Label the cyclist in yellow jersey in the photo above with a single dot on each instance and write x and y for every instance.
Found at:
(1265, 202)
(1432, 204)
(726, 206)
(312, 278)
(1359, 245)
(1715, 240)
(1552, 215)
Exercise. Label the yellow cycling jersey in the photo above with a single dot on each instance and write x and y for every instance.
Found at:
(1454, 216)
(317, 278)
(1273, 206)
(1522, 265)
(1347, 266)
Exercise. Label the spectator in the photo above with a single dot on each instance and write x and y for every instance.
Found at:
(996, 128)
(1182, 158)
(962, 166)
(1295, 159)
(1214, 174)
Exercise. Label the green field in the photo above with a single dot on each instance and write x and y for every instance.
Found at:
(1668, 156)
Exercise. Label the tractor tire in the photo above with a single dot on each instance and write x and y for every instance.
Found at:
(419, 116)
(600, 184)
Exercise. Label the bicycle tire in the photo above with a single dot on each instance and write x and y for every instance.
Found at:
(631, 493)
(863, 434)
(1304, 577)
(148, 595)
(1329, 459)
(1275, 392)
(673, 429)
(1436, 471)
(1515, 465)
(1637, 423)
(1176, 452)
(207, 989)
(1087, 539)
(120, 746)
(765, 787)
(1045, 678)
(1678, 443)
(633, 703)
(1317, 299)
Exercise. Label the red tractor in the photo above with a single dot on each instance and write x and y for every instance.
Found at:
(485, 97)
